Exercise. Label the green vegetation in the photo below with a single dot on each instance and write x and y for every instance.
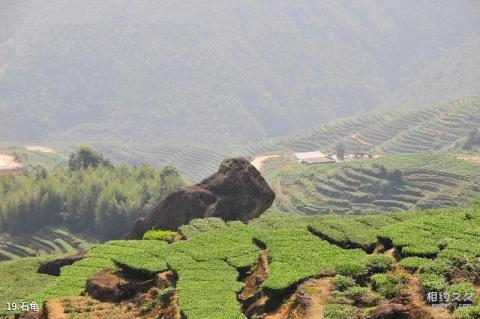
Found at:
(140, 99)
(390, 183)
(100, 200)
(399, 130)
(20, 278)
(48, 240)
(297, 255)
(86, 157)
(379, 263)
(159, 235)
(390, 285)
(200, 225)
(208, 264)
(412, 264)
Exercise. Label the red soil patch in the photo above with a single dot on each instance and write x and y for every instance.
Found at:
(360, 140)
(472, 159)
(41, 149)
(8, 163)
(259, 161)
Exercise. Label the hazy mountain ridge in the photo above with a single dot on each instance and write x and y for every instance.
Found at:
(211, 73)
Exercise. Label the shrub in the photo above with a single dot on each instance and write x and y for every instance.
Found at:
(461, 290)
(342, 283)
(147, 307)
(412, 264)
(361, 296)
(432, 282)
(439, 266)
(378, 263)
(334, 311)
(338, 297)
(351, 268)
(165, 296)
(390, 285)
(467, 313)
(159, 235)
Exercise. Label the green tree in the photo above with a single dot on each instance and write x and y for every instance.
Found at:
(86, 157)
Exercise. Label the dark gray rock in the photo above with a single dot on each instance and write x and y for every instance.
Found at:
(236, 192)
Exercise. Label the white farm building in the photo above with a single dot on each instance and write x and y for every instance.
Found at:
(312, 158)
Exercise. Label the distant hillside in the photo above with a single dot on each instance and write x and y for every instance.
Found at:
(391, 131)
(392, 183)
(449, 77)
(388, 132)
(215, 73)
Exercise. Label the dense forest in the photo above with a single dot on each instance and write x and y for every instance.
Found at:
(90, 195)
(215, 73)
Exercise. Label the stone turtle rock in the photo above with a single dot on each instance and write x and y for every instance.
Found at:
(236, 192)
(106, 286)
(392, 311)
(52, 267)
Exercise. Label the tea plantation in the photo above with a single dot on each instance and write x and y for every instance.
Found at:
(49, 240)
(391, 183)
(437, 246)
(392, 131)
(386, 132)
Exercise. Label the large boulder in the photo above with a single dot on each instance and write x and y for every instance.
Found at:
(106, 286)
(52, 267)
(236, 192)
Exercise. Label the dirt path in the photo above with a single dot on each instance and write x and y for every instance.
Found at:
(318, 290)
(258, 162)
(41, 149)
(360, 140)
(417, 298)
(308, 302)
(8, 163)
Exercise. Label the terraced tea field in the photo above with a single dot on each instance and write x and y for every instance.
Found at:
(386, 132)
(49, 240)
(391, 183)
(430, 245)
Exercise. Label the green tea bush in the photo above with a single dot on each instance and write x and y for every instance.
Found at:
(462, 290)
(412, 264)
(340, 311)
(440, 266)
(390, 285)
(378, 263)
(200, 225)
(342, 283)
(467, 313)
(431, 282)
(159, 235)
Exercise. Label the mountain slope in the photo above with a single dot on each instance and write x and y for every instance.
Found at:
(210, 73)
(391, 183)
(453, 75)
(392, 131)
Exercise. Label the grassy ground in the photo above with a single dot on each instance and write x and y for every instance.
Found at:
(19, 278)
